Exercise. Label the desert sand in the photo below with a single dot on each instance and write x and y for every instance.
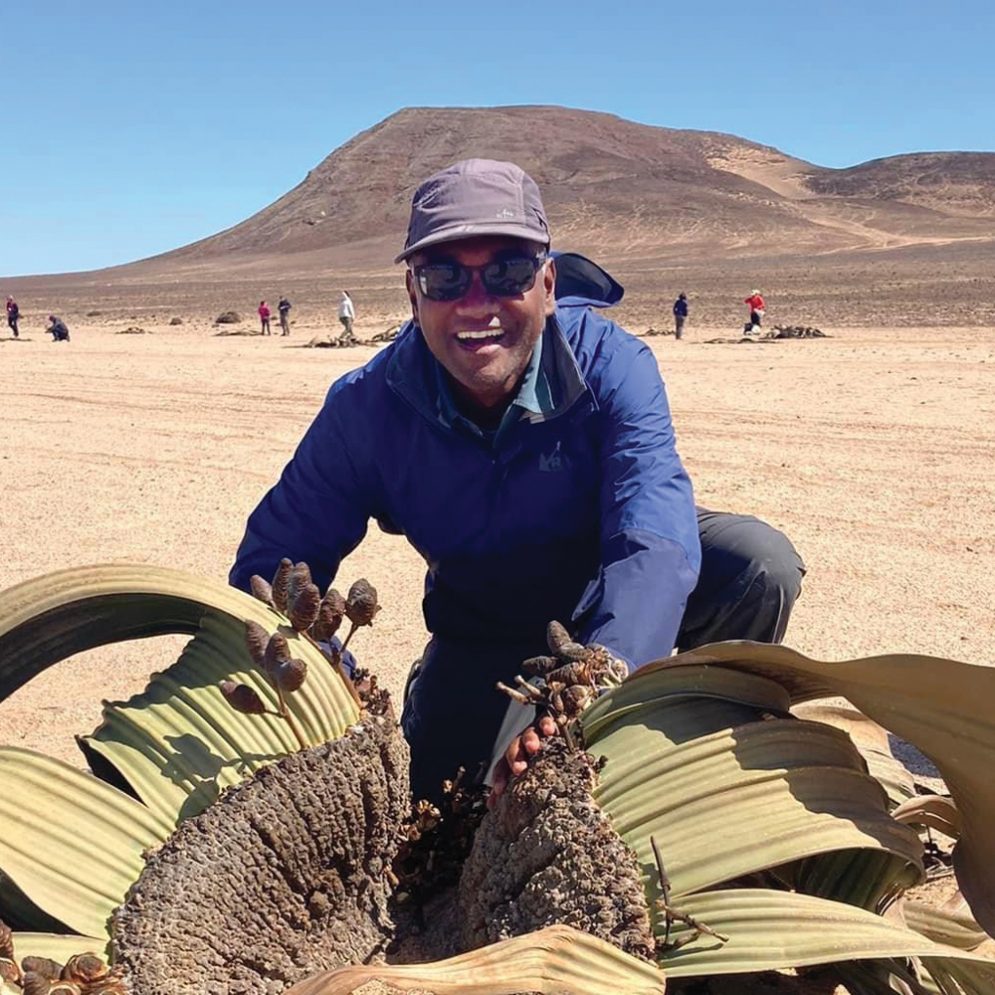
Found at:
(872, 448)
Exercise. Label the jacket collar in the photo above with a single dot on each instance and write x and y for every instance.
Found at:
(415, 375)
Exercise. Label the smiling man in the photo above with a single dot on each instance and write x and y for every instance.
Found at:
(523, 444)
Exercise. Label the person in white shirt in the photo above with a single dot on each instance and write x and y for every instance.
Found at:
(346, 315)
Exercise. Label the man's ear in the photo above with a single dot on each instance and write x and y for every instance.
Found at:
(549, 286)
(409, 283)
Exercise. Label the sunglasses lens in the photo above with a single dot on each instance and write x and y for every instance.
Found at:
(510, 277)
(449, 281)
(444, 281)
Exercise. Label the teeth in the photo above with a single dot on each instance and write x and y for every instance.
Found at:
(487, 333)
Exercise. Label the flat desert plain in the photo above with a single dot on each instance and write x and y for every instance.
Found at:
(874, 449)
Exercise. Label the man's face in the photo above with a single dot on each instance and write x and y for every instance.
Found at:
(483, 341)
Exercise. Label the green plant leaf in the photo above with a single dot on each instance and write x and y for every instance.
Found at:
(743, 799)
(177, 744)
(57, 946)
(50, 618)
(770, 930)
(941, 706)
(871, 739)
(74, 844)
(954, 929)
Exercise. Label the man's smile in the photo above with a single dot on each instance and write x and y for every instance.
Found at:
(473, 338)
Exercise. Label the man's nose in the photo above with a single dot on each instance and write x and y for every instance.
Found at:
(476, 294)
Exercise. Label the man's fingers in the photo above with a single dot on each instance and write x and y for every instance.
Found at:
(530, 741)
(498, 784)
(516, 758)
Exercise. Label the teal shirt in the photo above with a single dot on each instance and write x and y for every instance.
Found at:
(535, 397)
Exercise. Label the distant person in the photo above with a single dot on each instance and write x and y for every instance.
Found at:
(264, 314)
(680, 314)
(346, 315)
(757, 309)
(13, 315)
(283, 307)
(58, 328)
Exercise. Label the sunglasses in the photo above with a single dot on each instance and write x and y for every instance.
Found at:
(508, 276)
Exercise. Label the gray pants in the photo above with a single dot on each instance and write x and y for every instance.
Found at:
(679, 320)
(751, 575)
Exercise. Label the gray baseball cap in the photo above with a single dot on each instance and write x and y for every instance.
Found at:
(475, 197)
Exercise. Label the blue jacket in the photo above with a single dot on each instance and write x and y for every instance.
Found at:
(583, 512)
(681, 307)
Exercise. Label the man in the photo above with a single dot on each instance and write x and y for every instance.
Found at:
(680, 314)
(523, 445)
(283, 307)
(58, 328)
(755, 303)
(347, 314)
(13, 315)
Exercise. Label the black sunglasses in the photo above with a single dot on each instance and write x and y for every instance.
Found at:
(508, 276)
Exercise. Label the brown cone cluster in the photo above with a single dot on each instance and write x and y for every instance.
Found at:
(564, 684)
(82, 974)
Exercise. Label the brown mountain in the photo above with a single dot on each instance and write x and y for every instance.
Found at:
(621, 190)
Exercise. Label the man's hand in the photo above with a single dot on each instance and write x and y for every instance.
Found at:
(516, 757)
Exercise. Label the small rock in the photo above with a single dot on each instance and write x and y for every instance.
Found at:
(228, 318)
(176, 321)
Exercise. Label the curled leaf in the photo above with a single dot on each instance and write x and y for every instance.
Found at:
(281, 584)
(242, 698)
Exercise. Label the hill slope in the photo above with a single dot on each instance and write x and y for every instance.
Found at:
(619, 189)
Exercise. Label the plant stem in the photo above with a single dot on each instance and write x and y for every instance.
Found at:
(285, 714)
(352, 628)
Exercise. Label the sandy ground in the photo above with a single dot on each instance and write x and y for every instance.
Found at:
(872, 449)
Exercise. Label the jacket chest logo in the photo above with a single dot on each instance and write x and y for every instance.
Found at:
(553, 461)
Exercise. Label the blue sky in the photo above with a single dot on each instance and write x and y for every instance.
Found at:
(135, 127)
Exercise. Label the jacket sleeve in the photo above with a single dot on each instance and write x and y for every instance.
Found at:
(317, 512)
(650, 550)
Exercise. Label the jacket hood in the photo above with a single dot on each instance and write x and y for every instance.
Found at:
(582, 283)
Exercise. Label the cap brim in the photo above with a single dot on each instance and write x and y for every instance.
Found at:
(459, 232)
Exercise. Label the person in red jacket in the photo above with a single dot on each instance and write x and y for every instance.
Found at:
(757, 308)
(264, 314)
